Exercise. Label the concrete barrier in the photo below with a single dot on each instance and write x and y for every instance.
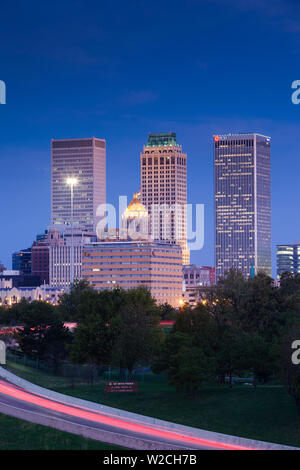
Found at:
(195, 432)
(2, 352)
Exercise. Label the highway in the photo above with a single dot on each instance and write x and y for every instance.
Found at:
(24, 400)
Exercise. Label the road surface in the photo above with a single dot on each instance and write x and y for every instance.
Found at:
(24, 400)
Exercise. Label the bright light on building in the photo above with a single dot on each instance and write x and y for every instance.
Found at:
(71, 181)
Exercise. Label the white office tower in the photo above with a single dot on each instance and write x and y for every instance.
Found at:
(62, 245)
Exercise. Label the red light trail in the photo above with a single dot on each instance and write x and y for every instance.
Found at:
(110, 420)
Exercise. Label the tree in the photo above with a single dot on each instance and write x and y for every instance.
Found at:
(239, 324)
(93, 337)
(188, 353)
(12, 316)
(136, 330)
(290, 292)
(230, 292)
(69, 302)
(58, 339)
(166, 312)
(232, 356)
(260, 356)
(116, 327)
(191, 366)
(260, 310)
(43, 334)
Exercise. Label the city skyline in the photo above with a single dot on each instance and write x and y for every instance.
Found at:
(142, 155)
(81, 84)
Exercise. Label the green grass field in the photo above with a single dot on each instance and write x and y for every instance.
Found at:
(16, 434)
(265, 413)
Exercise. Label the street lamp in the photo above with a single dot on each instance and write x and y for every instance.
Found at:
(72, 182)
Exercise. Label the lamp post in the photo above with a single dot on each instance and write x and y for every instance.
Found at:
(72, 182)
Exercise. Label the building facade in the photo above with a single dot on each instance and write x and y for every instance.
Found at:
(288, 259)
(85, 160)
(192, 295)
(198, 276)
(22, 261)
(242, 203)
(164, 189)
(60, 256)
(10, 279)
(130, 264)
(10, 296)
(40, 261)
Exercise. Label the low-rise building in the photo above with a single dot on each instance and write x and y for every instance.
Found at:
(191, 295)
(10, 296)
(130, 264)
(12, 278)
(198, 276)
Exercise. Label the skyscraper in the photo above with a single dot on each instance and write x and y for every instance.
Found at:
(288, 259)
(242, 203)
(164, 189)
(85, 160)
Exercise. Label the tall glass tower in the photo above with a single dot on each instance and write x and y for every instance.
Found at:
(85, 160)
(242, 203)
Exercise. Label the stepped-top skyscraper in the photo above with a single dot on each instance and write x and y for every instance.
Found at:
(242, 203)
(85, 160)
(164, 189)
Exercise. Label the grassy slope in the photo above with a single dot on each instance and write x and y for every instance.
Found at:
(16, 434)
(266, 413)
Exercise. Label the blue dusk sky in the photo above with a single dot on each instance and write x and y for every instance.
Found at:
(120, 69)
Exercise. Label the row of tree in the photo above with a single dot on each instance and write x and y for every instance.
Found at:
(240, 327)
(119, 327)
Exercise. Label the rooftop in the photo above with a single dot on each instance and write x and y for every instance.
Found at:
(162, 139)
(135, 208)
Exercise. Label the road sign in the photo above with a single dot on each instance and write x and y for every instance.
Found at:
(121, 387)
